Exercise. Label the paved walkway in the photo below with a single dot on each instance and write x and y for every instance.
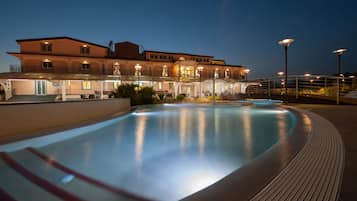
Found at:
(345, 119)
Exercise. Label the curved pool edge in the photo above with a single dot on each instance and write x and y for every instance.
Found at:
(316, 172)
(245, 182)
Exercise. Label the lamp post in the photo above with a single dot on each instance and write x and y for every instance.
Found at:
(339, 53)
(200, 68)
(286, 43)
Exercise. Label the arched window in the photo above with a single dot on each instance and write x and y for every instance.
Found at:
(138, 70)
(116, 68)
(164, 71)
(226, 73)
(85, 65)
(47, 64)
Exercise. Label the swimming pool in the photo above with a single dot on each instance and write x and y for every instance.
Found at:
(161, 152)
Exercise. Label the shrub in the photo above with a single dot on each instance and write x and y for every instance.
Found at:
(161, 96)
(180, 97)
(136, 94)
(147, 95)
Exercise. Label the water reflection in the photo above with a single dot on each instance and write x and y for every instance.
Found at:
(201, 131)
(282, 134)
(183, 128)
(307, 123)
(139, 137)
(247, 133)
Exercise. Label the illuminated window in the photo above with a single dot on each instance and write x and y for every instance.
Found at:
(116, 68)
(84, 49)
(164, 71)
(138, 70)
(47, 64)
(86, 85)
(46, 47)
(187, 72)
(226, 73)
(85, 65)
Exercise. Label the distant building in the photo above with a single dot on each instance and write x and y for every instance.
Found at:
(70, 68)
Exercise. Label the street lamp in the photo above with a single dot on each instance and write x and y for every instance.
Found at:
(339, 53)
(280, 73)
(286, 43)
(200, 68)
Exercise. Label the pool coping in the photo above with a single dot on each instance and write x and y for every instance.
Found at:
(316, 172)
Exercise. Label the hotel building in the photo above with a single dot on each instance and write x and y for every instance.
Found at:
(67, 68)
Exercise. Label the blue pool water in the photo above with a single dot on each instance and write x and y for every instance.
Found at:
(167, 152)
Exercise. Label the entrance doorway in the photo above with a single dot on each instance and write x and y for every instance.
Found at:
(186, 89)
(40, 87)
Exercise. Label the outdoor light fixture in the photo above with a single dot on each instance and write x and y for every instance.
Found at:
(339, 53)
(286, 43)
(246, 71)
(307, 74)
(281, 73)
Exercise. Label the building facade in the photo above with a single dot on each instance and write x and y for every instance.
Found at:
(72, 68)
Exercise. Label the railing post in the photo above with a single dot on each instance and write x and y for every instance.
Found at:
(296, 87)
(338, 92)
(268, 87)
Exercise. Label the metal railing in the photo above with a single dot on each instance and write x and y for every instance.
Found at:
(330, 88)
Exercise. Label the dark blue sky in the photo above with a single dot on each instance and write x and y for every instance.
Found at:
(241, 32)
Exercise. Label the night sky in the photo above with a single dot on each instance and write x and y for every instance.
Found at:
(241, 32)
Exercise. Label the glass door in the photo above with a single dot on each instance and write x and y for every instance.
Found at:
(40, 87)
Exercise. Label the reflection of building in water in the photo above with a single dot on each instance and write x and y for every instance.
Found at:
(201, 130)
(140, 137)
(66, 67)
(183, 128)
(247, 133)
